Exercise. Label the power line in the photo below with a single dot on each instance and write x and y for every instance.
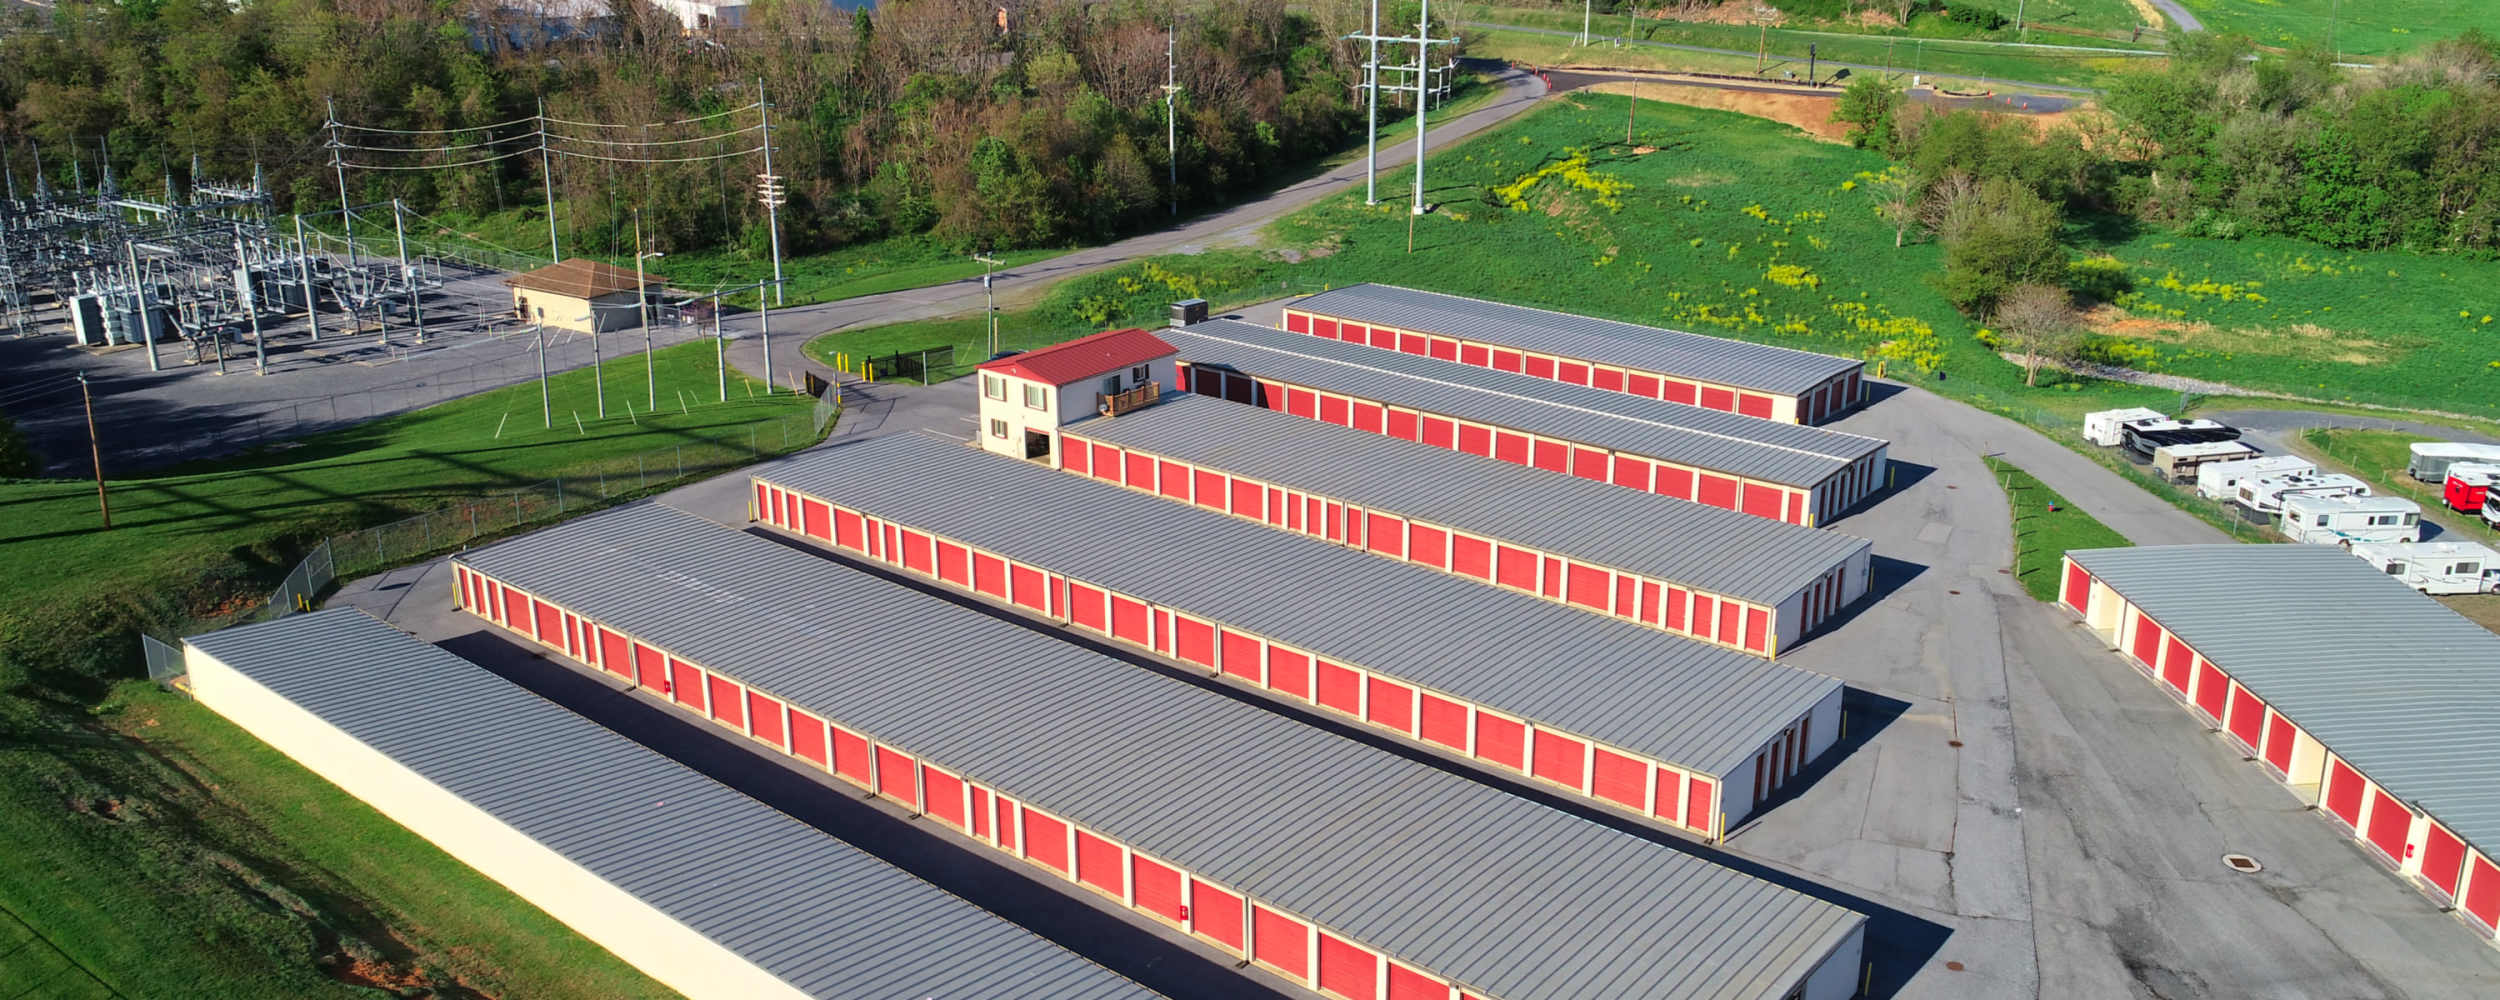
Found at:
(445, 166)
(433, 131)
(680, 159)
(657, 142)
(681, 121)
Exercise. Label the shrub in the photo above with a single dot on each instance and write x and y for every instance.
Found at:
(1983, 18)
(2100, 278)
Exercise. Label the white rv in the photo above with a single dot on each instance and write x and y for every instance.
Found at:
(2221, 480)
(2491, 515)
(2265, 495)
(2179, 462)
(2438, 568)
(2147, 436)
(2102, 427)
(2348, 520)
(2431, 459)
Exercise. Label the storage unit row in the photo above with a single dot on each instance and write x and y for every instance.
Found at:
(1345, 868)
(708, 891)
(1483, 519)
(1802, 475)
(2374, 703)
(1647, 722)
(1757, 380)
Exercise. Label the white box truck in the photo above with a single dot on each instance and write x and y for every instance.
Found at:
(2431, 459)
(2436, 568)
(2346, 520)
(2221, 480)
(2103, 427)
(2265, 495)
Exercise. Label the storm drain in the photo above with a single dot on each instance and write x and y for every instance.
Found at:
(2242, 864)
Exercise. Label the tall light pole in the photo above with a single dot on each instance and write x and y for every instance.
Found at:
(764, 325)
(1371, 104)
(988, 262)
(1171, 119)
(546, 405)
(1423, 54)
(1584, 21)
(545, 168)
(642, 301)
(770, 185)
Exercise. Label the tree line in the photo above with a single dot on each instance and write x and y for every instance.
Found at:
(982, 124)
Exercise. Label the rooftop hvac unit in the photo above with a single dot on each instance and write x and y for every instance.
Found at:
(1187, 311)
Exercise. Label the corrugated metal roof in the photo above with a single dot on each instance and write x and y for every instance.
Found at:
(1783, 370)
(1634, 687)
(2392, 681)
(728, 867)
(1520, 901)
(1767, 450)
(1084, 357)
(1722, 551)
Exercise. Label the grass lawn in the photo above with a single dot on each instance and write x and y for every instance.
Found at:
(2380, 457)
(2368, 27)
(2046, 527)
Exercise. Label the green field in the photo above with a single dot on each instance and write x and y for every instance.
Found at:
(2357, 27)
(2380, 457)
(2046, 527)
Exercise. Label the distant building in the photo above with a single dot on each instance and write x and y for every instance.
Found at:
(1026, 397)
(509, 25)
(583, 295)
(703, 16)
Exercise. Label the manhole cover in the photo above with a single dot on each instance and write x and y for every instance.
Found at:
(1953, 743)
(2242, 863)
(1955, 966)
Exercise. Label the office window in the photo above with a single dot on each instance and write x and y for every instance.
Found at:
(998, 429)
(1137, 375)
(1036, 397)
(994, 387)
(1111, 384)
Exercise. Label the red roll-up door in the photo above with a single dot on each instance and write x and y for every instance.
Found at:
(1552, 456)
(916, 552)
(1676, 599)
(849, 532)
(1676, 391)
(1288, 672)
(946, 795)
(1571, 371)
(1753, 405)
(1506, 360)
(1368, 416)
(614, 655)
(1076, 454)
(1348, 971)
(1591, 587)
(1241, 655)
(2279, 740)
(1502, 741)
(1404, 425)
(1003, 811)
(763, 500)
(1333, 410)
(850, 755)
(1027, 585)
(1128, 620)
(1410, 343)
(1045, 840)
(1098, 864)
(1172, 480)
(1537, 367)
(1510, 447)
(1297, 322)
(1193, 641)
(1559, 759)
(1652, 601)
(1476, 439)
(1106, 464)
(1442, 721)
(1384, 339)
(1248, 498)
(2443, 859)
(989, 575)
(2078, 586)
(1641, 385)
(1439, 432)
(954, 564)
(1471, 556)
(512, 608)
(2343, 794)
(1428, 546)
(2147, 647)
(1324, 326)
(1588, 463)
(1408, 984)
(1718, 491)
(1280, 942)
(1631, 472)
(1158, 888)
(1619, 779)
(1705, 610)
(981, 824)
(1713, 398)
(2482, 893)
(1757, 630)
(1085, 607)
(895, 778)
(807, 738)
(1697, 804)
(728, 705)
(1383, 535)
(1670, 796)
(814, 516)
(1215, 914)
(1138, 470)
(1339, 688)
(2248, 717)
(1517, 568)
(684, 683)
(1764, 501)
(1609, 379)
(1673, 481)
(764, 718)
(1729, 621)
(546, 623)
(2177, 664)
(2213, 691)
(2390, 824)
(1392, 705)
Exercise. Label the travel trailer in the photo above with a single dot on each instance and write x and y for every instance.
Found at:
(2265, 494)
(2221, 480)
(2431, 459)
(2179, 462)
(2469, 485)
(2349, 520)
(2146, 436)
(2436, 568)
(2102, 427)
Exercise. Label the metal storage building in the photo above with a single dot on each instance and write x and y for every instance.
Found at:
(1480, 518)
(2374, 703)
(708, 891)
(1803, 475)
(1758, 380)
(1673, 729)
(1349, 869)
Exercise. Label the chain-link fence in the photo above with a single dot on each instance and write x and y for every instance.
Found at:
(931, 364)
(304, 583)
(164, 659)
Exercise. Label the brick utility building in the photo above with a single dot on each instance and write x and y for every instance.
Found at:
(1802, 475)
(1679, 731)
(1758, 380)
(1480, 518)
(1347, 869)
(2375, 704)
(1026, 397)
(710, 892)
(582, 295)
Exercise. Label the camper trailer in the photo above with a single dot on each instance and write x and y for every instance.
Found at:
(2221, 480)
(2436, 568)
(2179, 462)
(2348, 520)
(2491, 516)
(2264, 495)
(2143, 437)
(2469, 485)
(2431, 459)
(2102, 427)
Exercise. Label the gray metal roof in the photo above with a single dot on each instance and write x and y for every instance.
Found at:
(1722, 551)
(1768, 450)
(1519, 901)
(2392, 681)
(1633, 687)
(726, 866)
(1783, 370)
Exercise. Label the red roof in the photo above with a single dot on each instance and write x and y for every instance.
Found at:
(1084, 357)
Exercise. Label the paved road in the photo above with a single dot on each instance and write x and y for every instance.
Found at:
(2179, 15)
(1235, 226)
(1746, 53)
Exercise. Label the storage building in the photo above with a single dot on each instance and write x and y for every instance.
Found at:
(706, 890)
(1481, 518)
(1758, 380)
(1593, 705)
(2374, 703)
(584, 296)
(1802, 475)
(1346, 868)
(1026, 396)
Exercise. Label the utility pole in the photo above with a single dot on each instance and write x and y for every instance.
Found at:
(1762, 41)
(598, 367)
(249, 298)
(408, 275)
(303, 272)
(548, 171)
(764, 325)
(642, 301)
(546, 405)
(1629, 110)
(1584, 22)
(1423, 54)
(347, 215)
(1371, 104)
(1171, 120)
(771, 185)
(720, 349)
(95, 450)
(988, 262)
(2018, 18)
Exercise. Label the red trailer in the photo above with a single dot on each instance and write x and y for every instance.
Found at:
(2468, 484)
